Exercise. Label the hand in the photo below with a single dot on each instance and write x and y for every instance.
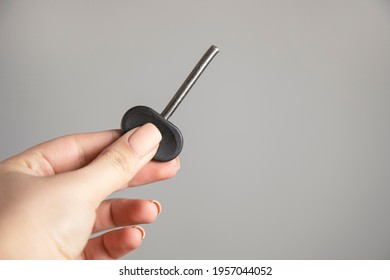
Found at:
(52, 195)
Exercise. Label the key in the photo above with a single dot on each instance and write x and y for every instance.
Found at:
(172, 139)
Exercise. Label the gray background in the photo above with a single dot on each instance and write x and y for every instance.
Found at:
(286, 134)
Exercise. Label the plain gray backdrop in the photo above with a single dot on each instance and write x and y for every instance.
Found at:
(287, 134)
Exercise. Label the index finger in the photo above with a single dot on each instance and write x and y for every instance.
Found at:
(65, 153)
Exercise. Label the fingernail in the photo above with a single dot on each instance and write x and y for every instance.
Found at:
(141, 230)
(158, 205)
(145, 139)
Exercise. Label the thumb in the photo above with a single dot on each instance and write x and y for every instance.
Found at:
(116, 165)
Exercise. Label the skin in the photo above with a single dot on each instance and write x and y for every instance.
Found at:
(52, 196)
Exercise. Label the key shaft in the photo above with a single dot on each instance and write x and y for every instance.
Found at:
(189, 82)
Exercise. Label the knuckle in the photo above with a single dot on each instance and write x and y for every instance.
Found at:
(118, 161)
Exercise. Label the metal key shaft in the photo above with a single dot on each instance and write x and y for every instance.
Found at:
(189, 82)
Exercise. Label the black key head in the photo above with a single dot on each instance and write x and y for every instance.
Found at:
(172, 139)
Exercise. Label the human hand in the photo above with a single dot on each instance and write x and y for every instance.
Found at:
(52, 195)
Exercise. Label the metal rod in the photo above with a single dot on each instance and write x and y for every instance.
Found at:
(189, 82)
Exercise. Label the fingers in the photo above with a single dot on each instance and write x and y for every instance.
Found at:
(155, 171)
(114, 244)
(65, 153)
(117, 213)
(115, 166)
(125, 212)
